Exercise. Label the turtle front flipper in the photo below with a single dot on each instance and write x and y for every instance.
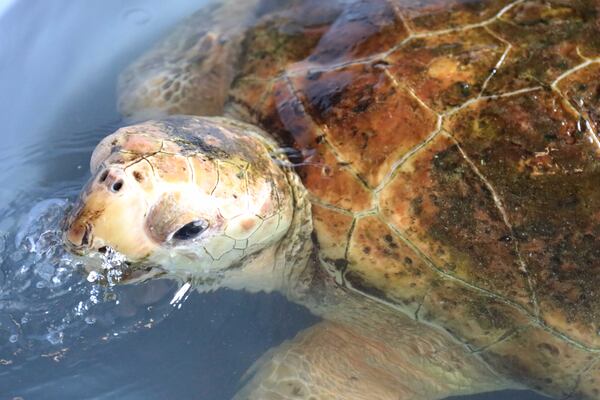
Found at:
(334, 361)
(190, 71)
(224, 58)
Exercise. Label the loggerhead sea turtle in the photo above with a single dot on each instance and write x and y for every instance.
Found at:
(423, 174)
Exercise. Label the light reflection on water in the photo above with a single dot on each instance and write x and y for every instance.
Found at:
(60, 335)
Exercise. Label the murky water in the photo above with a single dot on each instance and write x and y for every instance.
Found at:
(62, 334)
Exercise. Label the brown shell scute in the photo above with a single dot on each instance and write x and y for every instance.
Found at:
(448, 212)
(431, 15)
(381, 264)
(325, 176)
(275, 43)
(547, 39)
(363, 29)
(582, 89)
(333, 229)
(546, 172)
(447, 70)
(362, 111)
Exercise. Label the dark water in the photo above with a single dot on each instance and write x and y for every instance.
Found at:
(60, 335)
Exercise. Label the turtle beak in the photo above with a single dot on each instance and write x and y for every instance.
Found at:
(77, 236)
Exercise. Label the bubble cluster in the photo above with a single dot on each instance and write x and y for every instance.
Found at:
(51, 299)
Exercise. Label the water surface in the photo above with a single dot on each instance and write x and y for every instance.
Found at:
(62, 336)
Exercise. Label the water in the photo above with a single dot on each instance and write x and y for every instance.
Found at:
(62, 334)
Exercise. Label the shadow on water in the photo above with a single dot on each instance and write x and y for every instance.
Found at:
(60, 335)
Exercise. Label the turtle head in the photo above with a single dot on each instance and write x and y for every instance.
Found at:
(191, 195)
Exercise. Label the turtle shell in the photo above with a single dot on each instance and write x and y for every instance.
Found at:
(453, 162)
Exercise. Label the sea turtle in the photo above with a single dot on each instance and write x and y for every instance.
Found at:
(423, 174)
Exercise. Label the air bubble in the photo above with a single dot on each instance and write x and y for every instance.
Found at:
(93, 276)
(137, 16)
(23, 270)
(79, 310)
(2, 246)
(54, 298)
(55, 337)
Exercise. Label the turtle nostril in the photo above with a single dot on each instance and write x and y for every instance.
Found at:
(103, 176)
(117, 185)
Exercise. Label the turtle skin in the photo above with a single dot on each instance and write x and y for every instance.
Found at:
(452, 157)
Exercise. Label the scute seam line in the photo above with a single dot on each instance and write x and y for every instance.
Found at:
(487, 293)
(503, 213)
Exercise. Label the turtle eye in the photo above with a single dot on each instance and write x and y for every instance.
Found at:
(191, 230)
